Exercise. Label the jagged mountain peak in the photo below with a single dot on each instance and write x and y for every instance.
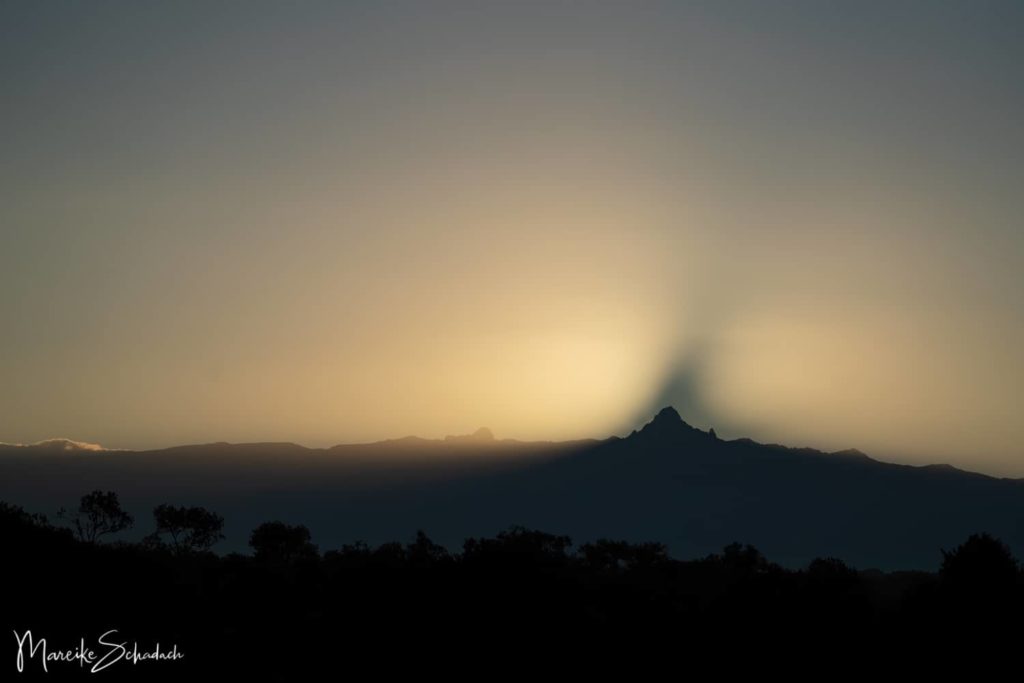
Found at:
(667, 425)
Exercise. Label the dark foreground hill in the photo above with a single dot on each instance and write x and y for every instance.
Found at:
(521, 602)
(668, 482)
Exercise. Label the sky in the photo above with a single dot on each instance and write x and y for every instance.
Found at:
(330, 222)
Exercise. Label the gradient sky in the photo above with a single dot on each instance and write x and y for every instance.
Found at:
(327, 222)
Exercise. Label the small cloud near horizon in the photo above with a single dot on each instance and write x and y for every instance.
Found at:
(59, 444)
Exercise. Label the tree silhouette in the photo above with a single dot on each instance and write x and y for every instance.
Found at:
(830, 569)
(744, 559)
(280, 542)
(518, 546)
(612, 596)
(191, 529)
(99, 513)
(980, 563)
(828, 579)
(423, 552)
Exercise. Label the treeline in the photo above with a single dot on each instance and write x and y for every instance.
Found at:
(288, 606)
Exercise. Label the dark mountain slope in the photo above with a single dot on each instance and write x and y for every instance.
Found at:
(666, 482)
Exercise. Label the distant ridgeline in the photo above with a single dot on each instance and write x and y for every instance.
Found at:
(668, 482)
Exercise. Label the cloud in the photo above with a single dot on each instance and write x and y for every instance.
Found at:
(59, 444)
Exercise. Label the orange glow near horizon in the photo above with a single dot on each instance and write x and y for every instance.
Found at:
(423, 222)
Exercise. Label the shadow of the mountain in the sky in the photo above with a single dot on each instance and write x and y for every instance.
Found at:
(667, 482)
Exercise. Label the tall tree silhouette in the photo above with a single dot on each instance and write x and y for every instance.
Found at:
(99, 513)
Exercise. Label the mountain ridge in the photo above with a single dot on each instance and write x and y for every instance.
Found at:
(666, 425)
(667, 481)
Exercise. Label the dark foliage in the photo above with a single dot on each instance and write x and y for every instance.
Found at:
(187, 529)
(282, 543)
(99, 514)
(521, 600)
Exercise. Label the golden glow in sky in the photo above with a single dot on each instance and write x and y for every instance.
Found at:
(346, 224)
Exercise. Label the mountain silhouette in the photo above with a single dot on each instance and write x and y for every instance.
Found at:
(667, 428)
(667, 481)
